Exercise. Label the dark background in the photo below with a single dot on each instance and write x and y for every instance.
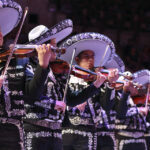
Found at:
(126, 22)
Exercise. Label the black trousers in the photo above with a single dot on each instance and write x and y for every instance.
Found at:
(75, 142)
(10, 137)
(105, 141)
(78, 138)
(148, 142)
(41, 138)
(87, 138)
(129, 143)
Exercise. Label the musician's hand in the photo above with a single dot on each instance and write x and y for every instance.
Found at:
(44, 55)
(81, 107)
(143, 110)
(60, 106)
(100, 80)
(11, 46)
(1, 80)
(113, 75)
(131, 87)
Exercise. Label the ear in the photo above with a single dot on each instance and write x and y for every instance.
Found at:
(77, 60)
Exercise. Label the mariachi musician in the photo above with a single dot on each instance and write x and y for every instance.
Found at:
(88, 122)
(18, 84)
(143, 99)
(130, 129)
(147, 134)
(41, 123)
(44, 117)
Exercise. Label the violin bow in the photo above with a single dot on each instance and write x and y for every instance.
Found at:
(12, 49)
(100, 66)
(147, 95)
(104, 55)
(68, 77)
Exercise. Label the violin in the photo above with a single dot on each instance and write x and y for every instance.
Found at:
(140, 99)
(143, 98)
(101, 70)
(62, 67)
(21, 51)
(89, 75)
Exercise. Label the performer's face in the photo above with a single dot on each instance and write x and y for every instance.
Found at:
(1, 38)
(86, 59)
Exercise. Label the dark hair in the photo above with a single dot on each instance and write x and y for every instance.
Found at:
(79, 55)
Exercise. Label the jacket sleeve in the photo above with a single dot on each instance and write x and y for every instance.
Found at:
(74, 98)
(106, 97)
(122, 106)
(35, 82)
